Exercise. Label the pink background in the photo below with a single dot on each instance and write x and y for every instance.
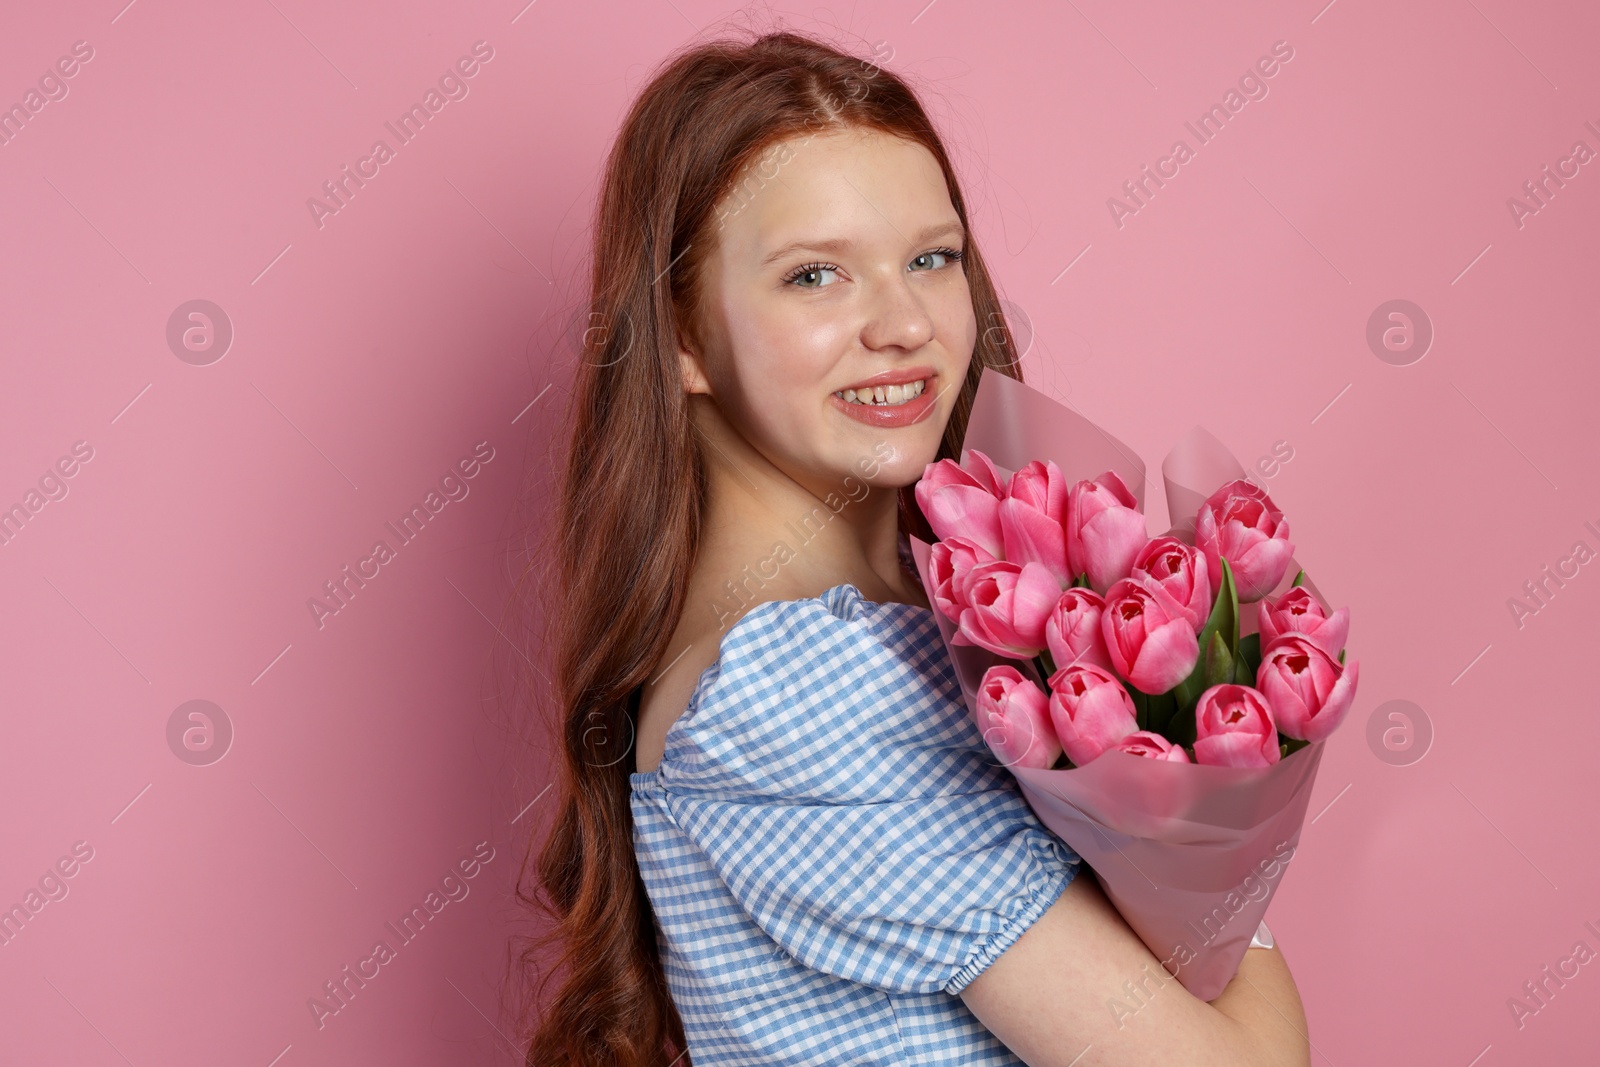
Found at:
(372, 353)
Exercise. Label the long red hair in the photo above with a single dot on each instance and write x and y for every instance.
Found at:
(624, 535)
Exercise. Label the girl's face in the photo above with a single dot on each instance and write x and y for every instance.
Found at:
(836, 269)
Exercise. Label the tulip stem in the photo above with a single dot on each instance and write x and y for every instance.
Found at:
(1141, 707)
(1045, 665)
(1163, 710)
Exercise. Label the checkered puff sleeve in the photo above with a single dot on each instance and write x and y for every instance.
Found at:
(832, 776)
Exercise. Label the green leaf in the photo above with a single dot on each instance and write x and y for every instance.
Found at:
(1188, 691)
(1292, 745)
(1229, 624)
(1248, 661)
(1298, 578)
(1218, 662)
(1080, 582)
(1341, 657)
(1182, 729)
(1163, 707)
(1250, 649)
(1224, 622)
(1141, 706)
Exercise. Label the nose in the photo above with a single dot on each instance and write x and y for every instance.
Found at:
(896, 317)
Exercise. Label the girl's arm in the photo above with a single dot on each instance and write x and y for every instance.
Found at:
(1053, 998)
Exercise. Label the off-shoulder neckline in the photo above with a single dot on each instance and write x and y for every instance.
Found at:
(829, 598)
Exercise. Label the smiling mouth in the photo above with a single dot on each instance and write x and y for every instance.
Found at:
(883, 396)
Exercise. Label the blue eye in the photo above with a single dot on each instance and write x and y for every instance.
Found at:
(809, 270)
(950, 254)
(811, 273)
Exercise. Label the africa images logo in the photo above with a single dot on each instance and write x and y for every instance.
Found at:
(452, 85)
(341, 590)
(1252, 86)
(340, 990)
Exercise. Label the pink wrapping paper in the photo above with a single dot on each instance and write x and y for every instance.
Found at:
(1189, 854)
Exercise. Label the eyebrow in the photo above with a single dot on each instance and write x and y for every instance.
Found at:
(841, 244)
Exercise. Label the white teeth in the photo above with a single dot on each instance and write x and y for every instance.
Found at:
(884, 395)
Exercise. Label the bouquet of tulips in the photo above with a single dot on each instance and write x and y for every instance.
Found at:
(1137, 638)
(1168, 741)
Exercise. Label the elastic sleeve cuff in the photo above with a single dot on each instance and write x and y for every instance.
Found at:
(1054, 876)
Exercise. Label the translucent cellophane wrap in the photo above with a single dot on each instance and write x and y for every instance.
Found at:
(1189, 854)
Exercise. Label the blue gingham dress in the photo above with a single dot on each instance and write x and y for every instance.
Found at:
(830, 849)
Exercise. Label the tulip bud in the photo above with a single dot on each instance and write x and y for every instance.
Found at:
(963, 500)
(1014, 717)
(1240, 523)
(950, 564)
(1234, 728)
(1148, 636)
(1033, 519)
(1090, 710)
(1152, 746)
(1007, 606)
(1182, 571)
(1310, 692)
(1072, 632)
(1105, 530)
(1297, 611)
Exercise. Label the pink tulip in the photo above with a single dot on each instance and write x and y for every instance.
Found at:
(1234, 728)
(1241, 524)
(1152, 746)
(1297, 611)
(950, 564)
(1072, 632)
(1182, 571)
(1033, 519)
(963, 500)
(1310, 692)
(1105, 530)
(1090, 709)
(1014, 715)
(1007, 607)
(1148, 635)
